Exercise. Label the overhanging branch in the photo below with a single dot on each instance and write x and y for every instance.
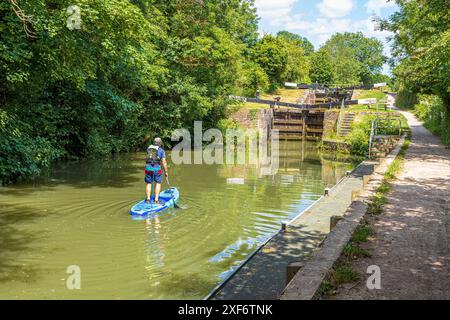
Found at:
(26, 19)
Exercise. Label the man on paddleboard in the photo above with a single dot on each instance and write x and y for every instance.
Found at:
(153, 172)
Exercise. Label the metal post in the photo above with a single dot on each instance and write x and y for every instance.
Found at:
(372, 133)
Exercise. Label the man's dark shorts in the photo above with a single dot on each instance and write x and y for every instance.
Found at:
(153, 174)
(149, 178)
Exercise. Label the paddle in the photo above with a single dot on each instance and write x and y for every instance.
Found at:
(174, 203)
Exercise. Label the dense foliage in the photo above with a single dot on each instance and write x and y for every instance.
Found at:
(322, 69)
(421, 50)
(134, 69)
(355, 58)
(432, 111)
(299, 41)
(359, 137)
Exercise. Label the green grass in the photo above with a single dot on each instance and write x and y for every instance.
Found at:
(405, 145)
(339, 274)
(375, 208)
(326, 288)
(380, 199)
(393, 169)
(376, 205)
(366, 94)
(344, 273)
(247, 105)
(253, 114)
(362, 233)
(353, 251)
(385, 187)
(396, 166)
(287, 95)
(333, 136)
(372, 108)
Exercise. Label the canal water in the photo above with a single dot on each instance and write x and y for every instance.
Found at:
(78, 215)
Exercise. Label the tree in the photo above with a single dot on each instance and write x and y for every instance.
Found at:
(297, 64)
(272, 56)
(133, 69)
(322, 69)
(383, 78)
(299, 41)
(421, 46)
(356, 57)
(421, 50)
(346, 66)
(254, 79)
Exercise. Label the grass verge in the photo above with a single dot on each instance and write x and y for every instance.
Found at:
(379, 199)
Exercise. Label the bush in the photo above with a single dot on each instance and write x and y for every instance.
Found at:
(20, 154)
(359, 136)
(436, 118)
(359, 141)
(254, 78)
(405, 99)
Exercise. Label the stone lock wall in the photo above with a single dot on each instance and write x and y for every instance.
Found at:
(329, 121)
(335, 146)
(382, 145)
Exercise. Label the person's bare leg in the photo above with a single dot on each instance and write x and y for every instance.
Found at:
(157, 191)
(148, 190)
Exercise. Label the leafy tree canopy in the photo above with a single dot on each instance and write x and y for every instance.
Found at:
(356, 57)
(421, 46)
(322, 68)
(300, 41)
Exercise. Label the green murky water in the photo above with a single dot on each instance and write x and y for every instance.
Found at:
(78, 215)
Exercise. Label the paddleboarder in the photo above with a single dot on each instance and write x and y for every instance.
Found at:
(153, 172)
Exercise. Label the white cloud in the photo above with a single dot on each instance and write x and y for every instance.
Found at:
(335, 9)
(274, 11)
(375, 6)
(321, 29)
(369, 28)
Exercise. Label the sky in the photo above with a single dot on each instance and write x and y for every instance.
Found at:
(318, 20)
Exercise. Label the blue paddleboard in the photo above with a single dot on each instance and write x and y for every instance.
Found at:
(168, 199)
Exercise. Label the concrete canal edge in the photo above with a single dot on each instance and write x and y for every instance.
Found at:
(306, 282)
